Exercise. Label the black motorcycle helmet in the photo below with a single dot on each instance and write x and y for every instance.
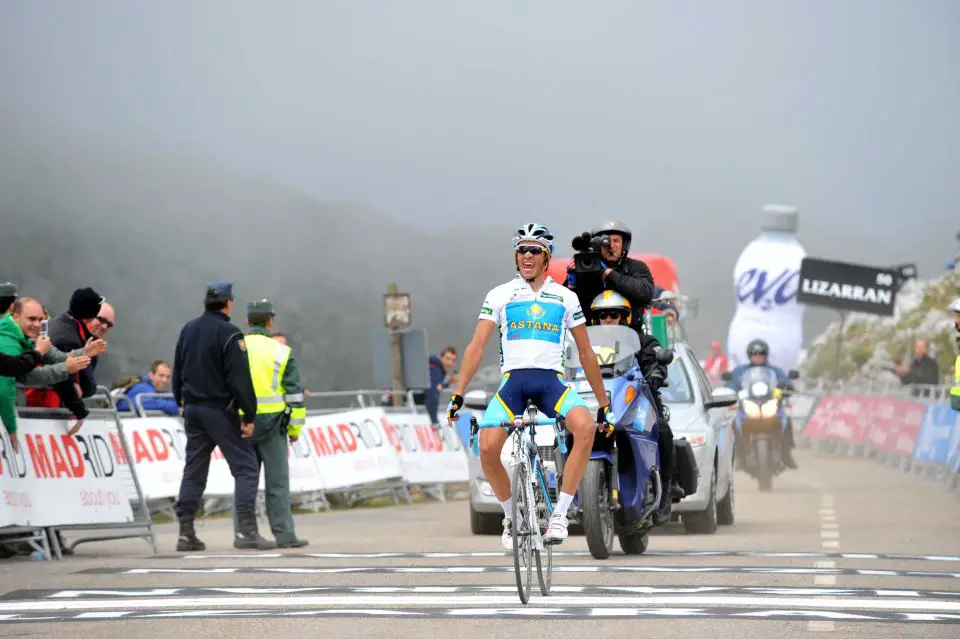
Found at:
(758, 347)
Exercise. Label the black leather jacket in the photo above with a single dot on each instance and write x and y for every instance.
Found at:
(631, 278)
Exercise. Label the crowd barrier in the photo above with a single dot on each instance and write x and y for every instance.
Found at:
(124, 465)
(911, 428)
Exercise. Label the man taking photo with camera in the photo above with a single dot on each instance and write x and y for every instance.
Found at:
(600, 264)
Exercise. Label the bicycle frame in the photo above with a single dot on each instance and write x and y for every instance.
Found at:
(528, 475)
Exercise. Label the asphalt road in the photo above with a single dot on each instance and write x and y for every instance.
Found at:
(840, 546)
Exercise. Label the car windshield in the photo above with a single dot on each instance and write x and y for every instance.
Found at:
(614, 345)
(679, 391)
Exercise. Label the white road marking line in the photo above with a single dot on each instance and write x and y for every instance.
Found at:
(557, 553)
(829, 529)
(169, 603)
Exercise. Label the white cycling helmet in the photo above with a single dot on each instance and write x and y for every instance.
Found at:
(955, 307)
(533, 232)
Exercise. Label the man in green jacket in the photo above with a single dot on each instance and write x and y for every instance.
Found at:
(20, 334)
(281, 414)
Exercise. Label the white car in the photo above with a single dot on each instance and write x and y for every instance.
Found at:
(710, 433)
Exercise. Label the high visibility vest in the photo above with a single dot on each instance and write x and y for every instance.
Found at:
(955, 391)
(268, 361)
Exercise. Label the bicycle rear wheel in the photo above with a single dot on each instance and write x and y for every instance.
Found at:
(522, 535)
(544, 557)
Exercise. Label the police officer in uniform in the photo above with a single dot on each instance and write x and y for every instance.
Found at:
(211, 382)
(280, 415)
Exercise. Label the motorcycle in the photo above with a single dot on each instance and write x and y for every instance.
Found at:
(760, 423)
(622, 486)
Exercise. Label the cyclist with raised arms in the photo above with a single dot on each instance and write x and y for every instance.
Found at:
(533, 314)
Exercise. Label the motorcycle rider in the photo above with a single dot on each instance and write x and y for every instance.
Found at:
(610, 307)
(625, 275)
(757, 353)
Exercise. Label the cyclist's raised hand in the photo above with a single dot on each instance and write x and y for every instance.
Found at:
(456, 403)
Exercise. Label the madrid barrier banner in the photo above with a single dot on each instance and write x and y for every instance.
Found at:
(55, 479)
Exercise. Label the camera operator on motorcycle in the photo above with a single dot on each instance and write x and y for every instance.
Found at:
(533, 314)
(610, 307)
(625, 275)
(757, 353)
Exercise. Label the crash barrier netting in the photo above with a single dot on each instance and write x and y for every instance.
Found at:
(124, 466)
(912, 428)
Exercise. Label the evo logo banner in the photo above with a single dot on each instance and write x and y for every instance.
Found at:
(848, 287)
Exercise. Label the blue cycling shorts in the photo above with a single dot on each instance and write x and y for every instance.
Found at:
(545, 387)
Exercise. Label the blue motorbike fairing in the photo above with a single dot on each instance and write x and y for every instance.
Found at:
(636, 432)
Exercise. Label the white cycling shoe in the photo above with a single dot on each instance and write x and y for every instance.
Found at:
(557, 529)
(506, 539)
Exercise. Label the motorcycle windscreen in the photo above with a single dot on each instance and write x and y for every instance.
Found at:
(759, 381)
(614, 346)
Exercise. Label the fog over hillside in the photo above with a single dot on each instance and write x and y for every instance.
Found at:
(314, 152)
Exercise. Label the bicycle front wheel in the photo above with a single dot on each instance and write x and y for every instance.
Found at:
(545, 556)
(522, 535)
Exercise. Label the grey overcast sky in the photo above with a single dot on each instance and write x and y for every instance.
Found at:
(682, 117)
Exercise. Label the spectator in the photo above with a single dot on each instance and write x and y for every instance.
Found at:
(716, 363)
(156, 381)
(438, 373)
(19, 331)
(280, 337)
(104, 321)
(54, 368)
(71, 331)
(924, 370)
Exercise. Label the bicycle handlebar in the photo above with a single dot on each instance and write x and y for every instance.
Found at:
(507, 423)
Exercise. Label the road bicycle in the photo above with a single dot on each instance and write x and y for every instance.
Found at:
(529, 487)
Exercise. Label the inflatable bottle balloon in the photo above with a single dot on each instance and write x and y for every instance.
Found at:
(766, 278)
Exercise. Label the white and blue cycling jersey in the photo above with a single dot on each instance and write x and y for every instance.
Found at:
(532, 324)
(533, 328)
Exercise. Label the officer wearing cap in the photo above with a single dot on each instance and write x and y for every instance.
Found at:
(8, 296)
(280, 416)
(211, 382)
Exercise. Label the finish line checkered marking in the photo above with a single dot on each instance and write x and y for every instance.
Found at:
(589, 568)
(770, 614)
(556, 553)
(52, 594)
(466, 601)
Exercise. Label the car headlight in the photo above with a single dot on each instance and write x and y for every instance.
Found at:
(485, 488)
(750, 408)
(769, 408)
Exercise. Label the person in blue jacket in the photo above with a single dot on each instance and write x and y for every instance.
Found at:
(156, 381)
(438, 373)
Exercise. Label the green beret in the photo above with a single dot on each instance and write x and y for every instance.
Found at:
(264, 306)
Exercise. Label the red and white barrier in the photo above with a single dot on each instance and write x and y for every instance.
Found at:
(880, 423)
(57, 479)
